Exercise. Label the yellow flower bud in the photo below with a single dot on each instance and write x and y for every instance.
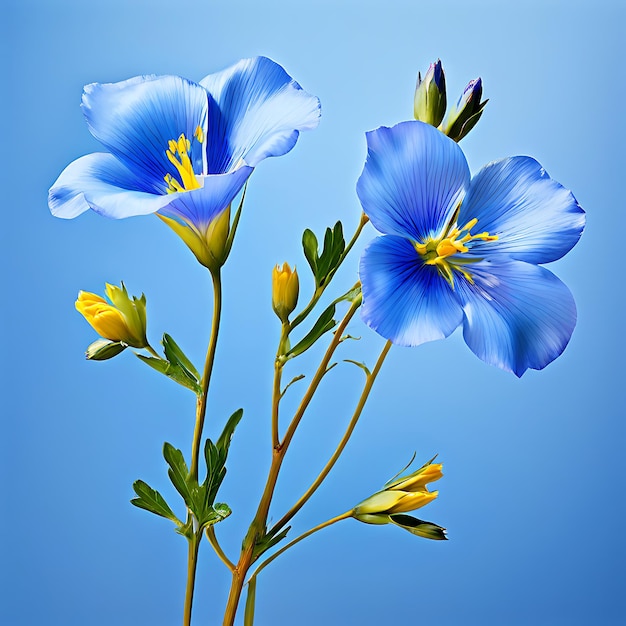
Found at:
(123, 320)
(399, 496)
(285, 289)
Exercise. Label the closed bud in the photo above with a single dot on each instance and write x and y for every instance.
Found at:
(465, 114)
(122, 319)
(399, 496)
(285, 289)
(429, 103)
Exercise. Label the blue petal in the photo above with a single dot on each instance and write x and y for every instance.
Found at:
(536, 219)
(403, 299)
(136, 118)
(412, 181)
(256, 111)
(517, 315)
(200, 206)
(100, 182)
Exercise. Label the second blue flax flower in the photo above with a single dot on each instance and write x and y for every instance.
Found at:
(465, 251)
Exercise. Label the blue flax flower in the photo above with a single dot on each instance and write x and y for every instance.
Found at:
(460, 250)
(181, 148)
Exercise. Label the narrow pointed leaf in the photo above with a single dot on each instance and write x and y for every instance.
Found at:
(151, 500)
(178, 473)
(223, 442)
(175, 355)
(174, 371)
(309, 245)
(325, 323)
(361, 365)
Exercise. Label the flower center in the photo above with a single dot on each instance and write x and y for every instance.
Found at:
(444, 251)
(178, 155)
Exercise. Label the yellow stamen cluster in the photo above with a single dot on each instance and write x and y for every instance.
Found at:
(439, 251)
(178, 155)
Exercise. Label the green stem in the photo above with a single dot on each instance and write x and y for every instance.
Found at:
(210, 533)
(192, 563)
(369, 382)
(258, 525)
(201, 404)
(276, 393)
(249, 612)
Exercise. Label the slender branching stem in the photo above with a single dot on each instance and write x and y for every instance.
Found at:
(192, 561)
(369, 382)
(258, 525)
(201, 404)
(210, 533)
(250, 600)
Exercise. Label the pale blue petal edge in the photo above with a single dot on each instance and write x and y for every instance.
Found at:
(403, 299)
(517, 315)
(412, 181)
(536, 219)
(136, 118)
(100, 182)
(256, 111)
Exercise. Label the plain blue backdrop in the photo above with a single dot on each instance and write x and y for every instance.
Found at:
(533, 493)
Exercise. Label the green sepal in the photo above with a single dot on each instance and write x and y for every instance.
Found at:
(151, 500)
(176, 356)
(235, 223)
(175, 371)
(324, 265)
(103, 349)
(419, 527)
(324, 323)
(269, 540)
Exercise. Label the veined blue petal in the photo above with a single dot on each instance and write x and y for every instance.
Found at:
(100, 182)
(517, 315)
(136, 118)
(412, 181)
(256, 111)
(536, 219)
(200, 206)
(403, 299)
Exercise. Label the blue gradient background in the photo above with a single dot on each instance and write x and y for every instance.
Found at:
(533, 493)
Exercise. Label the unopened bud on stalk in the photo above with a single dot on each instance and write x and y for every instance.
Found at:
(429, 103)
(285, 289)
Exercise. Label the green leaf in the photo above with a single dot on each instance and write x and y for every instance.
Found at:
(176, 356)
(174, 371)
(324, 323)
(216, 470)
(178, 473)
(334, 245)
(151, 500)
(309, 245)
(324, 265)
(223, 443)
(359, 364)
(269, 540)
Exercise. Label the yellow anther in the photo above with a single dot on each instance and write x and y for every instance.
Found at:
(442, 251)
(183, 165)
(470, 225)
(199, 134)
